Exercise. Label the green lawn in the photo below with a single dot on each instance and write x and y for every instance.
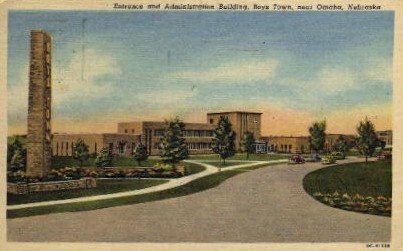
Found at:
(195, 186)
(367, 179)
(240, 156)
(103, 187)
(66, 161)
(227, 164)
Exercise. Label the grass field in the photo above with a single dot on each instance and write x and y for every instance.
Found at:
(65, 161)
(227, 164)
(195, 186)
(103, 187)
(367, 179)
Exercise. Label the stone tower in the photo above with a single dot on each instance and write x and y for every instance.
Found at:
(39, 105)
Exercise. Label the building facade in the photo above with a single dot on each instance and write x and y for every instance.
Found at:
(288, 144)
(117, 144)
(300, 144)
(198, 136)
(39, 105)
(385, 136)
(332, 138)
(242, 122)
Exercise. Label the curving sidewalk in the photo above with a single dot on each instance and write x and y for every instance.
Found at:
(171, 184)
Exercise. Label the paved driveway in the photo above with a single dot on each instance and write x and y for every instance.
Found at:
(264, 205)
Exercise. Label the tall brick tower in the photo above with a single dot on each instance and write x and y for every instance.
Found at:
(39, 105)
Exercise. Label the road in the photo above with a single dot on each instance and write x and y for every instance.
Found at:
(264, 205)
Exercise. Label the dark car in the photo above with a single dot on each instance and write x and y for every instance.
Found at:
(296, 159)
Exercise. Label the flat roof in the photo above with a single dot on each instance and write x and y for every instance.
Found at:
(234, 112)
(93, 134)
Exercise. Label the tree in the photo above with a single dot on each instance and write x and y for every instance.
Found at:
(14, 144)
(341, 145)
(140, 153)
(367, 140)
(80, 151)
(16, 153)
(247, 144)
(172, 146)
(317, 136)
(18, 161)
(223, 139)
(104, 158)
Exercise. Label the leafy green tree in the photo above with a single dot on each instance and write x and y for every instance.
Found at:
(172, 146)
(18, 161)
(104, 158)
(317, 136)
(140, 153)
(15, 144)
(223, 141)
(341, 145)
(80, 151)
(247, 144)
(367, 140)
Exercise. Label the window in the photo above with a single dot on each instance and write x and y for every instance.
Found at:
(132, 130)
(211, 121)
(159, 132)
(67, 148)
(95, 147)
(57, 148)
(125, 130)
(110, 148)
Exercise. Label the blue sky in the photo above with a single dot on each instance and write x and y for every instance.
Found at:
(114, 66)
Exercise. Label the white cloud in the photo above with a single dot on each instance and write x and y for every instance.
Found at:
(379, 70)
(76, 81)
(330, 79)
(166, 96)
(247, 72)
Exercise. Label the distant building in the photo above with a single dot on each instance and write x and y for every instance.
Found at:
(288, 144)
(385, 136)
(300, 144)
(198, 136)
(117, 144)
(332, 138)
(242, 122)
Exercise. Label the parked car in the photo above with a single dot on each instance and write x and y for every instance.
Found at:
(313, 158)
(384, 155)
(296, 159)
(328, 160)
(338, 155)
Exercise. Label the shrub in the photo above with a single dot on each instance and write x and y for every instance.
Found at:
(379, 206)
(104, 158)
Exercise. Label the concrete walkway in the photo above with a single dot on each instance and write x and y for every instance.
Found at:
(264, 205)
(171, 184)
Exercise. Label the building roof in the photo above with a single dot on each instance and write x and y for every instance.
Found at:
(246, 112)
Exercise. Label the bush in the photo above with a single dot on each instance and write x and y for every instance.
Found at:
(104, 158)
(378, 206)
(161, 167)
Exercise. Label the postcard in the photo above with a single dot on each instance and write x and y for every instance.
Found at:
(177, 125)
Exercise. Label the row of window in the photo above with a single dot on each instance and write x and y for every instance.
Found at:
(191, 146)
(187, 133)
(64, 148)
